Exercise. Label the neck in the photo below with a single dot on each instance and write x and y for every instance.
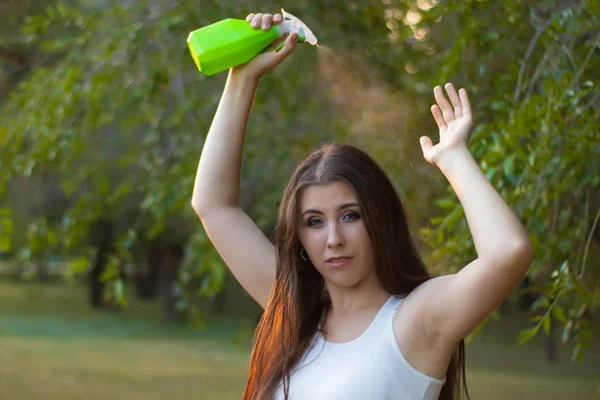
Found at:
(347, 300)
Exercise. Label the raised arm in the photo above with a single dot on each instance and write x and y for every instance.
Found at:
(463, 300)
(244, 248)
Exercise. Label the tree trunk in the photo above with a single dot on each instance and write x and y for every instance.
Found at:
(43, 274)
(102, 237)
(96, 288)
(219, 302)
(550, 342)
(170, 262)
(147, 273)
(525, 297)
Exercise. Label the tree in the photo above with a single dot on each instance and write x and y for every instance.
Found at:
(121, 112)
(534, 71)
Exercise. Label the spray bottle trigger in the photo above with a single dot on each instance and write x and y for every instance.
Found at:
(301, 39)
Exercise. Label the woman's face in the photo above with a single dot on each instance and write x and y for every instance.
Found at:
(334, 235)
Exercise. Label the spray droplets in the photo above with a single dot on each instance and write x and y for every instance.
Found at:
(375, 115)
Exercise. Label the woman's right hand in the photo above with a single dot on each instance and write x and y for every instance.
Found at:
(268, 59)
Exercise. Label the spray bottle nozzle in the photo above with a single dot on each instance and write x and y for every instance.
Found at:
(292, 24)
(303, 31)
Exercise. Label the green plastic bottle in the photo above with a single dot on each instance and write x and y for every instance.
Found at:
(233, 42)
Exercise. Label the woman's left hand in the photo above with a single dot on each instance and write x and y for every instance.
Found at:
(455, 122)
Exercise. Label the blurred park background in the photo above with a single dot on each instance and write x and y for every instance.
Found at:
(109, 287)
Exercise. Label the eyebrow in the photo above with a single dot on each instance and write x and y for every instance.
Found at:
(343, 206)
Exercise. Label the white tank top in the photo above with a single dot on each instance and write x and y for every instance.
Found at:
(369, 367)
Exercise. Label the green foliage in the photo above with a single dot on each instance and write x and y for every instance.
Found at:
(116, 110)
(6, 230)
(119, 117)
(534, 73)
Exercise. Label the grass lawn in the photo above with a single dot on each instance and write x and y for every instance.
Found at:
(52, 346)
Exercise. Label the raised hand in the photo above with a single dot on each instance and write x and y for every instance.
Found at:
(455, 121)
(268, 59)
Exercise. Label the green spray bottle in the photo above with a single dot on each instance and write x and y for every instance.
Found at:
(233, 42)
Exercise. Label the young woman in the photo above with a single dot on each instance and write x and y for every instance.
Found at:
(350, 310)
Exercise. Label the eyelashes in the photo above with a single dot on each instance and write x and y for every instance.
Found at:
(354, 216)
(315, 221)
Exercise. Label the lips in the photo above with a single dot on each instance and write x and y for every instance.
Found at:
(337, 259)
(337, 262)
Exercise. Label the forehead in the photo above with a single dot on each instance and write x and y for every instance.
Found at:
(326, 196)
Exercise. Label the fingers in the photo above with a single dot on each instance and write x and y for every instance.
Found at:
(426, 144)
(443, 104)
(268, 58)
(445, 112)
(263, 21)
(466, 104)
(256, 20)
(427, 148)
(439, 118)
(458, 112)
(288, 47)
(266, 21)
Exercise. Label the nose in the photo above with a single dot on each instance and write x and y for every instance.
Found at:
(335, 237)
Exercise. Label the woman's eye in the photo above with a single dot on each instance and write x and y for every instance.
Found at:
(352, 216)
(313, 222)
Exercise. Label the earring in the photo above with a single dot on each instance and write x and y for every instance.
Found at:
(303, 255)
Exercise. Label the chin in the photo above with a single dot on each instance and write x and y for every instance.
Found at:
(345, 282)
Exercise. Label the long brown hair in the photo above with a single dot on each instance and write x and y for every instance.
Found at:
(298, 301)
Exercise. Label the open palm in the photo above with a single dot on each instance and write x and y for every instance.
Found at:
(454, 120)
